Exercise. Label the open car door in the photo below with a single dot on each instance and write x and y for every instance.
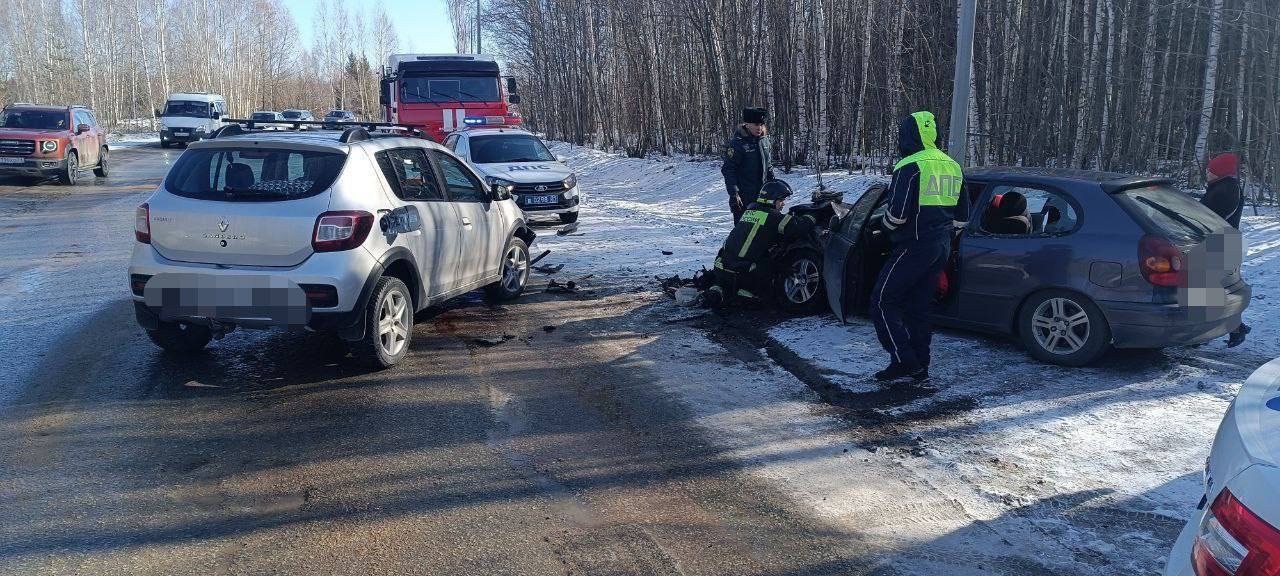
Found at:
(842, 261)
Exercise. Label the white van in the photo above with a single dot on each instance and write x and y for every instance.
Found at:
(189, 117)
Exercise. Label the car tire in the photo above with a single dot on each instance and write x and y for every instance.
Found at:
(568, 217)
(1062, 327)
(515, 272)
(164, 143)
(71, 172)
(180, 337)
(388, 320)
(798, 286)
(101, 171)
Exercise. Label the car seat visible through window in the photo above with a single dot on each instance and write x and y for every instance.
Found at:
(1007, 214)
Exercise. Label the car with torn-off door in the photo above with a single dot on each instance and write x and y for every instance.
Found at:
(512, 157)
(1070, 262)
(350, 232)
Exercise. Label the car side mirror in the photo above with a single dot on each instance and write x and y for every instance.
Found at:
(511, 85)
(216, 115)
(82, 128)
(514, 98)
(501, 193)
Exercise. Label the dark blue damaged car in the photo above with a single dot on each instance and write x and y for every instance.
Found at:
(1070, 262)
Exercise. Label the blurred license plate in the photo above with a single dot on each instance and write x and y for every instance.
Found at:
(180, 133)
(10, 160)
(540, 199)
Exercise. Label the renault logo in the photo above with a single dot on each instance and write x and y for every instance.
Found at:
(222, 226)
(540, 188)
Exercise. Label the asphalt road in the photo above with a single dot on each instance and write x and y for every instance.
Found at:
(550, 453)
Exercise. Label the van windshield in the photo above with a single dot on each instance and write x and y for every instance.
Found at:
(187, 108)
(445, 89)
(1176, 215)
(253, 174)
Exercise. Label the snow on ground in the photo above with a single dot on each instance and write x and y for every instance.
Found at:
(635, 209)
(1010, 467)
(133, 140)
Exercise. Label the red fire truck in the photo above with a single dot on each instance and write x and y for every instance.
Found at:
(440, 93)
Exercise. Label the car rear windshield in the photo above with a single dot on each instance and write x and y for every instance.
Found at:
(508, 148)
(35, 119)
(264, 116)
(253, 174)
(1176, 215)
(292, 114)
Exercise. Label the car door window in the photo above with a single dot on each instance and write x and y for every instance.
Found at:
(80, 118)
(1028, 211)
(463, 186)
(451, 142)
(409, 174)
(464, 148)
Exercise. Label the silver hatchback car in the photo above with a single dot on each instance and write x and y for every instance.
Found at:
(350, 232)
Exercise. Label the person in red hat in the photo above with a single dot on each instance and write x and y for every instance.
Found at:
(1225, 197)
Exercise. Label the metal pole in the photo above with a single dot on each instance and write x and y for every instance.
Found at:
(479, 47)
(957, 140)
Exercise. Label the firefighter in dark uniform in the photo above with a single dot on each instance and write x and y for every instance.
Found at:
(927, 205)
(742, 267)
(746, 160)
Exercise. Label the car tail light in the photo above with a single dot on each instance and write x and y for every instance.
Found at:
(1233, 541)
(341, 230)
(142, 224)
(1160, 261)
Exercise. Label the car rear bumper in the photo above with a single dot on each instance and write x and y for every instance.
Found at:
(346, 273)
(35, 167)
(1179, 563)
(1147, 325)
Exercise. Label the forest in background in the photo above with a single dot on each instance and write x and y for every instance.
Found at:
(1149, 86)
(122, 57)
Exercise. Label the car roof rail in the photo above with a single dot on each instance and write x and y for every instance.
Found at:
(356, 134)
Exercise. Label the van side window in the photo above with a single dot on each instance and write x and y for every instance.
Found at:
(409, 174)
(1028, 211)
(463, 187)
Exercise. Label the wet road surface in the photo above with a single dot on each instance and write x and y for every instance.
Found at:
(273, 452)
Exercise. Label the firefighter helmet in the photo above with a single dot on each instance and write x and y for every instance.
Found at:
(774, 190)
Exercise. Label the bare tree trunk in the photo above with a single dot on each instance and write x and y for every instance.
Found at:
(1210, 82)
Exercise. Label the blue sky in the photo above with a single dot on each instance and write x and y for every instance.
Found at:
(423, 25)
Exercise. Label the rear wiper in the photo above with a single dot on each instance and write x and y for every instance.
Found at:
(250, 192)
(1190, 222)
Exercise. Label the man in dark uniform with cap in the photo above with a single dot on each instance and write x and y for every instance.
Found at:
(746, 160)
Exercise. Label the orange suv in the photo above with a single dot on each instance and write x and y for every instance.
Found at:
(43, 141)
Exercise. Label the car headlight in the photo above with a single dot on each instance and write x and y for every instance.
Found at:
(48, 145)
(570, 182)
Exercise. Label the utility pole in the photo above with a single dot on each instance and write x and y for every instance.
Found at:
(957, 133)
(479, 48)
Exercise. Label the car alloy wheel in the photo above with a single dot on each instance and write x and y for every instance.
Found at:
(515, 270)
(802, 285)
(1060, 326)
(393, 323)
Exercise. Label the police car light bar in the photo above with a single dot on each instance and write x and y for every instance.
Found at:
(474, 121)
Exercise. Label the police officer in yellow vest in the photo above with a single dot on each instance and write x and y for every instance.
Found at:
(927, 205)
(742, 267)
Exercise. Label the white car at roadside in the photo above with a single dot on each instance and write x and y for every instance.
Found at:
(516, 159)
(1236, 529)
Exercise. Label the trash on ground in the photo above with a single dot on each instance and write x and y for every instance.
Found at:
(540, 256)
(667, 252)
(195, 384)
(549, 269)
(492, 340)
(558, 288)
(686, 296)
(566, 229)
(548, 328)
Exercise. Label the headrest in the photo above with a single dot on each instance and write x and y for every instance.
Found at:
(239, 176)
(1011, 204)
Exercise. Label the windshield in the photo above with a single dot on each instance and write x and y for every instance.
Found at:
(292, 114)
(1174, 214)
(188, 108)
(337, 113)
(509, 148)
(445, 89)
(253, 174)
(263, 116)
(35, 119)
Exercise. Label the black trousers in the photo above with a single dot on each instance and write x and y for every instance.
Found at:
(902, 301)
(736, 207)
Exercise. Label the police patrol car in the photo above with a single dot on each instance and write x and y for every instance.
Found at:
(520, 161)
